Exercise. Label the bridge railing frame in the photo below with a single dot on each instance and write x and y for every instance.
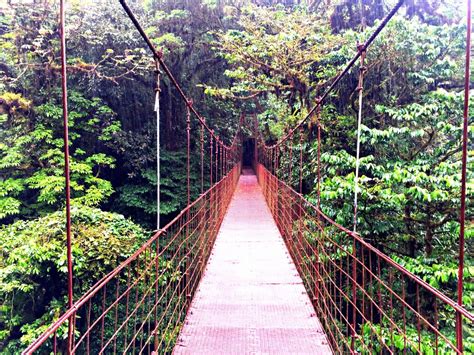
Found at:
(140, 305)
(378, 308)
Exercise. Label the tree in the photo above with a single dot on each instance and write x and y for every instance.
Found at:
(278, 59)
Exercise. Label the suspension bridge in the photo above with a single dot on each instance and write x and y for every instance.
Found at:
(252, 266)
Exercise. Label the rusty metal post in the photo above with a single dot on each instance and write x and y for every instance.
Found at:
(462, 218)
(188, 149)
(70, 277)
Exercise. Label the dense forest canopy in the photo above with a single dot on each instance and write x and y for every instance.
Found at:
(263, 57)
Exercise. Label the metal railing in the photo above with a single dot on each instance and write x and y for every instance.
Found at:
(139, 307)
(366, 301)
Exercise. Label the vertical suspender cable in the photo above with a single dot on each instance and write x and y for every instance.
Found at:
(188, 150)
(66, 168)
(157, 110)
(462, 217)
(361, 48)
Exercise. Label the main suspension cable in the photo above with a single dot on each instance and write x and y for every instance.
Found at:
(343, 73)
(158, 55)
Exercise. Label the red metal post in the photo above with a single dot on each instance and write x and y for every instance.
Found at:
(217, 159)
(463, 177)
(70, 292)
(301, 159)
(210, 163)
(318, 122)
(188, 165)
(291, 160)
(202, 159)
(360, 87)
(226, 167)
(157, 110)
(300, 209)
(221, 162)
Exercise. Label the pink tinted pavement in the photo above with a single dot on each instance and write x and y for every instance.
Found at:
(251, 299)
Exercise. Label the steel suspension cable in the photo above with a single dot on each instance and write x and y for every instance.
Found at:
(158, 55)
(344, 72)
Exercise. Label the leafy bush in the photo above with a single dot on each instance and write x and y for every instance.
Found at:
(33, 268)
(31, 153)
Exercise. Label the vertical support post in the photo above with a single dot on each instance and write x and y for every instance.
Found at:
(188, 164)
(462, 217)
(264, 152)
(70, 279)
(290, 172)
(226, 168)
(202, 159)
(318, 122)
(275, 161)
(157, 272)
(361, 49)
(221, 165)
(157, 110)
(211, 138)
(300, 209)
(211, 194)
(267, 163)
(255, 148)
(317, 269)
(217, 159)
(187, 273)
(301, 160)
(277, 182)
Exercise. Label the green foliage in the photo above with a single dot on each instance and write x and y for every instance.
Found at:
(33, 270)
(441, 276)
(408, 342)
(31, 154)
(409, 184)
(139, 198)
(274, 51)
(272, 61)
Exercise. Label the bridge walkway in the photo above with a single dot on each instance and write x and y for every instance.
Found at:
(251, 299)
